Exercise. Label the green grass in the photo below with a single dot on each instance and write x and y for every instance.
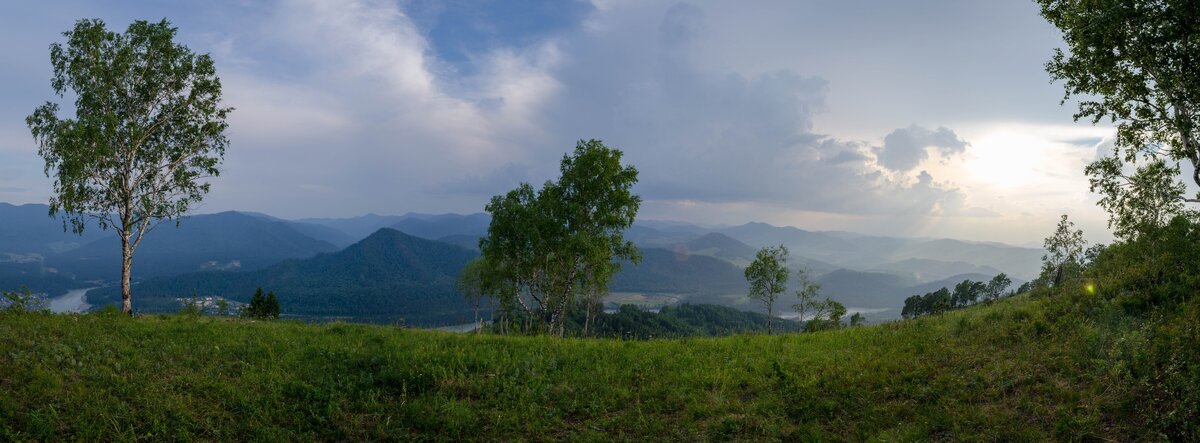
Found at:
(1020, 370)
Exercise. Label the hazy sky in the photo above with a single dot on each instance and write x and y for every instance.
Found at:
(923, 118)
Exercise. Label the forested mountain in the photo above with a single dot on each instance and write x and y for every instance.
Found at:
(721, 246)
(665, 271)
(223, 241)
(387, 277)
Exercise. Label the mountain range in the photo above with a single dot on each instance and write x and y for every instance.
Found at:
(382, 268)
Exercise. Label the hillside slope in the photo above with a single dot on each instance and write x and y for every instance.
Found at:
(1021, 369)
(386, 277)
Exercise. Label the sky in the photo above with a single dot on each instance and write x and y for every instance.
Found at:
(918, 118)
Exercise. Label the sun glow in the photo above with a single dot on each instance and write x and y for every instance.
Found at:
(1008, 159)
(1016, 156)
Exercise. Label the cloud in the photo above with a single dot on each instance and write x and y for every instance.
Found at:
(905, 148)
(698, 134)
(377, 104)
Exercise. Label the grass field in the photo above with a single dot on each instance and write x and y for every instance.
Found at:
(1021, 369)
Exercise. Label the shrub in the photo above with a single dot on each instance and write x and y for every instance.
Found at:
(23, 301)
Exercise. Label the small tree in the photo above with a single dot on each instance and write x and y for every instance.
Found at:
(271, 306)
(996, 286)
(912, 307)
(857, 319)
(1064, 250)
(257, 308)
(470, 284)
(768, 276)
(23, 300)
(807, 294)
(828, 315)
(966, 293)
(148, 129)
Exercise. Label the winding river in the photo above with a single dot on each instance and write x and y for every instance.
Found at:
(72, 301)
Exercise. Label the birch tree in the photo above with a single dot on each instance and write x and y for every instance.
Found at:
(148, 130)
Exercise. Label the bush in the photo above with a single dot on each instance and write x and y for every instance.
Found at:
(23, 301)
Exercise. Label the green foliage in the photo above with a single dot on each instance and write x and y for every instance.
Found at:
(1139, 203)
(1064, 253)
(262, 307)
(1133, 63)
(147, 130)
(768, 276)
(934, 302)
(193, 307)
(22, 300)
(807, 294)
(857, 319)
(547, 248)
(827, 315)
(996, 286)
(1152, 278)
(1160, 268)
(966, 293)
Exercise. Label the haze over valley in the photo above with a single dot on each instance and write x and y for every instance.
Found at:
(328, 268)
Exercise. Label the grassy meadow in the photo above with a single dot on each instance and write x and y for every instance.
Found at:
(1021, 369)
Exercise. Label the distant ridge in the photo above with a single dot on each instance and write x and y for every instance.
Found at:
(226, 240)
(387, 277)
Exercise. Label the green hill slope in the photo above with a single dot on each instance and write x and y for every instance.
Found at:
(1022, 369)
(383, 278)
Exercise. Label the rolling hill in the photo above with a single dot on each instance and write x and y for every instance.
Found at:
(386, 277)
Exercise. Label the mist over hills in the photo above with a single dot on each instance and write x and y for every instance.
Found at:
(28, 229)
(222, 241)
(328, 268)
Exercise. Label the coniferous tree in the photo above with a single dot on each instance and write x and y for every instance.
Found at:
(255, 309)
(271, 310)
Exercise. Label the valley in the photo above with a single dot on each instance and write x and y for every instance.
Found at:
(386, 269)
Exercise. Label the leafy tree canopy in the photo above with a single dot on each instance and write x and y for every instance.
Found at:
(148, 129)
(1134, 63)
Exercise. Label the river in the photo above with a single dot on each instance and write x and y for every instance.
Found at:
(72, 301)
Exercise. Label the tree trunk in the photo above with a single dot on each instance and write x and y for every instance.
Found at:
(770, 310)
(478, 321)
(587, 318)
(126, 263)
